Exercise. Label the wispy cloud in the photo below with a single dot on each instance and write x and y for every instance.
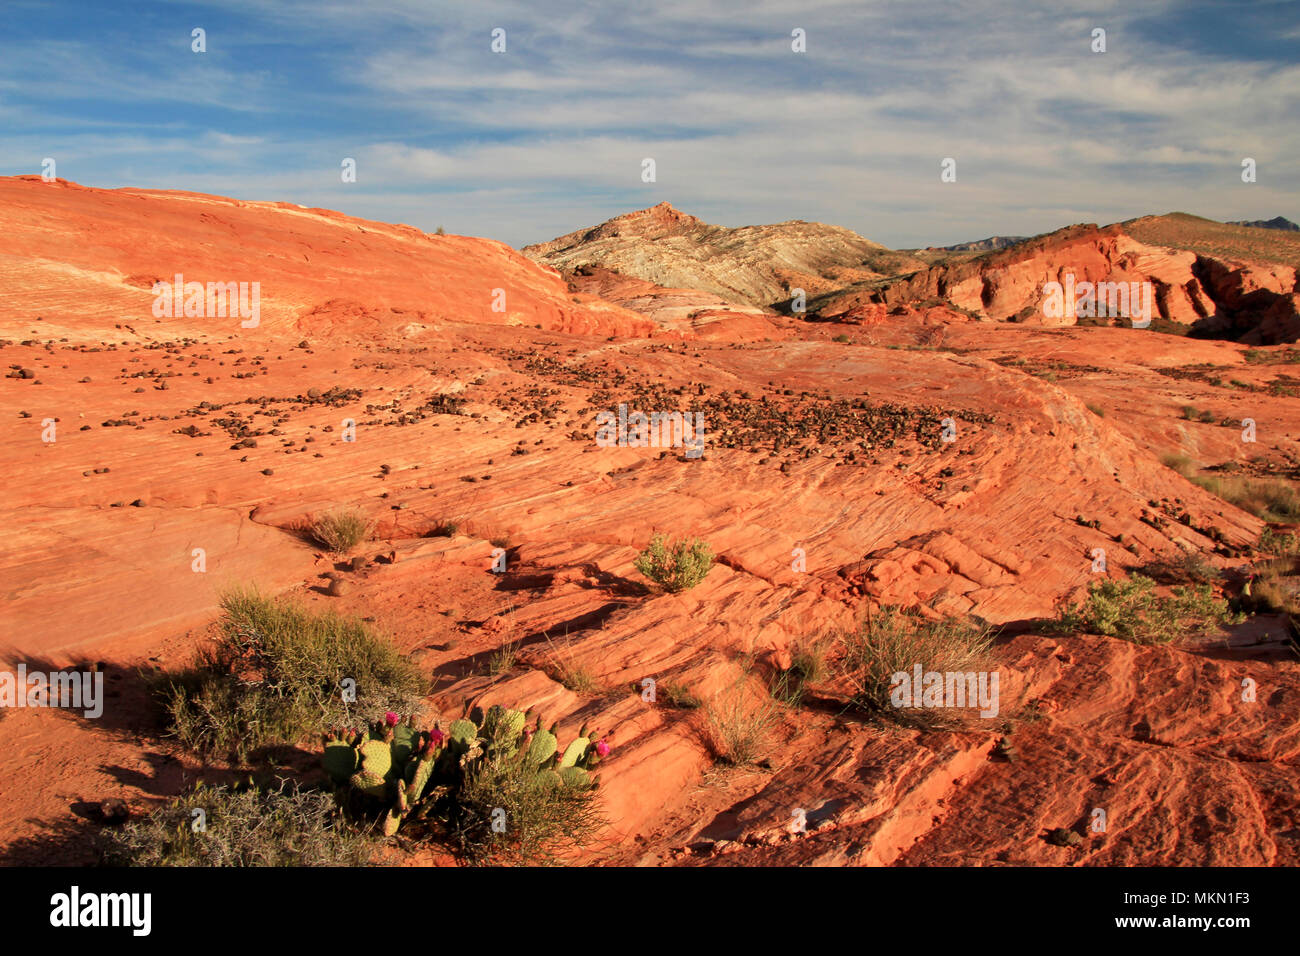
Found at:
(550, 135)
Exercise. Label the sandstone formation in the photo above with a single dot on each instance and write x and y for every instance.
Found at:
(752, 265)
(189, 453)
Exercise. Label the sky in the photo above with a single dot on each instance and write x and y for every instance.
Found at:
(550, 135)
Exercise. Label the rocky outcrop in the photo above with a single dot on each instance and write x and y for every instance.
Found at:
(755, 266)
(1254, 302)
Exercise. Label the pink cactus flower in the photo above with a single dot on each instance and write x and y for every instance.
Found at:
(391, 719)
(602, 748)
(436, 736)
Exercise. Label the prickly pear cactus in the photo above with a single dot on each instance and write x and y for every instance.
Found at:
(463, 732)
(574, 752)
(405, 739)
(376, 758)
(542, 747)
(340, 759)
(575, 777)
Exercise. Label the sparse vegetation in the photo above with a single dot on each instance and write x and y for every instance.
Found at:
(1097, 410)
(445, 528)
(274, 674)
(1134, 611)
(576, 677)
(1272, 499)
(676, 568)
(1277, 543)
(892, 641)
(1179, 463)
(243, 826)
(1185, 569)
(738, 725)
(341, 531)
(503, 658)
(809, 666)
(678, 695)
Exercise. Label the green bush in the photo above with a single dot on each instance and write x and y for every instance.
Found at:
(241, 827)
(274, 675)
(1132, 610)
(678, 568)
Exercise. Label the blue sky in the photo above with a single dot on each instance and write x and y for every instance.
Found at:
(549, 136)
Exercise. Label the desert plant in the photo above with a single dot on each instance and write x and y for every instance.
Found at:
(678, 695)
(275, 672)
(738, 725)
(1272, 499)
(445, 528)
(1179, 463)
(892, 641)
(341, 531)
(1185, 569)
(1133, 611)
(809, 666)
(676, 568)
(1097, 410)
(578, 678)
(503, 658)
(240, 826)
(498, 789)
(1273, 542)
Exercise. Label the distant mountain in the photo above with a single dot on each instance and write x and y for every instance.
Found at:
(750, 265)
(1275, 223)
(986, 245)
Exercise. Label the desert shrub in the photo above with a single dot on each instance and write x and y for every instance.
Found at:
(491, 788)
(1133, 611)
(341, 531)
(545, 817)
(1274, 542)
(1179, 463)
(738, 725)
(677, 695)
(1184, 569)
(561, 665)
(273, 674)
(445, 528)
(1097, 410)
(1272, 499)
(891, 641)
(1190, 412)
(1207, 417)
(243, 826)
(676, 568)
(503, 658)
(809, 666)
